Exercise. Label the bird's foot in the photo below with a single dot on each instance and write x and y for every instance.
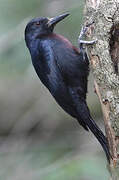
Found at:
(87, 42)
(83, 33)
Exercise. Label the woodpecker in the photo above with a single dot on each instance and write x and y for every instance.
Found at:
(63, 69)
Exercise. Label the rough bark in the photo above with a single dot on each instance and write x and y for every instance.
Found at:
(104, 58)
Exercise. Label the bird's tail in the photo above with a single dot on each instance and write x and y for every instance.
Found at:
(83, 112)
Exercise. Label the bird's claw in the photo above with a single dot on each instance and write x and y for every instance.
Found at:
(83, 33)
(84, 30)
(88, 42)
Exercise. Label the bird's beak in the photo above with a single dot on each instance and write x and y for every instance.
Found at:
(53, 21)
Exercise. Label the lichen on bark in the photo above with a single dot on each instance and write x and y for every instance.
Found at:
(104, 58)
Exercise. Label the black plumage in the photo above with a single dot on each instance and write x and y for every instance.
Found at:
(63, 69)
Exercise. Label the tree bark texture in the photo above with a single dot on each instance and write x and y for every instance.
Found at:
(104, 60)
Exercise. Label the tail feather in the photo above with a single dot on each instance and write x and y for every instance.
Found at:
(85, 119)
(100, 136)
(83, 111)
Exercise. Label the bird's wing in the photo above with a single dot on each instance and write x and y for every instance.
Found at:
(72, 65)
(50, 75)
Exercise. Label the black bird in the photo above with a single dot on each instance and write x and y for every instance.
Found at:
(63, 69)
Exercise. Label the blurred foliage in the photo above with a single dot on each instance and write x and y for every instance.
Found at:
(38, 140)
(32, 158)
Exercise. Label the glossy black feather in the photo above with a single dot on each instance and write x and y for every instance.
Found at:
(64, 71)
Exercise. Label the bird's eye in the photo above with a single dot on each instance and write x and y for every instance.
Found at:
(38, 23)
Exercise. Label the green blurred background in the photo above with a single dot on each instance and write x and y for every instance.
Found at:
(38, 140)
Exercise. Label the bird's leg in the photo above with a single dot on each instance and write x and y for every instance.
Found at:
(83, 32)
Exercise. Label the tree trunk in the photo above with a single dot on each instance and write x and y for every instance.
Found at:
(104, 58)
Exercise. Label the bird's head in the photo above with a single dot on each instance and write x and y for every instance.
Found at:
(41, 26)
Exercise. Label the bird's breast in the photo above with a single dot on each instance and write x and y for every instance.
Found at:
(44, 63)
